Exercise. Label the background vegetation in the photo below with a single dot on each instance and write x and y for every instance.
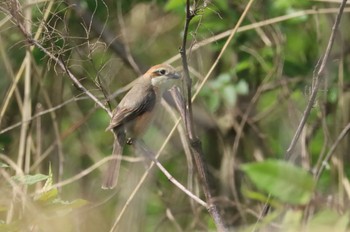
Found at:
(53, 142)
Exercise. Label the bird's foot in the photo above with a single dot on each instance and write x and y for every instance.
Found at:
(129, 141)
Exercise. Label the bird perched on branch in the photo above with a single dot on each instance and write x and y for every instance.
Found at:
(135, 111)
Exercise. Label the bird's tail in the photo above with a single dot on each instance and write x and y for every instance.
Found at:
(111, 176)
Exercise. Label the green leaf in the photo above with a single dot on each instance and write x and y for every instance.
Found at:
(61, 207)
(3, 165)
(333, 94)
(71, 204)
(263, 224)
(292, 221)
(38, 55)
(242, 87)
(48, 196)
(230, 95)
(223, 79)
(241, 66)
(174, 5)
(282, 180)
(328, 220)
(213, 102)
(64, 207)
(49, 180)
(288, 5)
(30, 179)
(11, 227)
(260, 197)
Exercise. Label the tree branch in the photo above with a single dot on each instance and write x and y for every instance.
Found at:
(14, 9)
(317, 78)
(195, 143)
(107, 36)
(139, 145)
(325, 161)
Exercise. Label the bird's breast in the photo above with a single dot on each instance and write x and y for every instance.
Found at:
(139, 125)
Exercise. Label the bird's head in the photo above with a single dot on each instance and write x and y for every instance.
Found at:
(163, 76)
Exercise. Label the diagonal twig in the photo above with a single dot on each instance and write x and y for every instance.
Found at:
(323, 164)
(317, 79)
(257, 25)
(15, 11)
(139, 145)
(107, 36)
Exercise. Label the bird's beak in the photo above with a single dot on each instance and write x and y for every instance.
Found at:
(175, 75)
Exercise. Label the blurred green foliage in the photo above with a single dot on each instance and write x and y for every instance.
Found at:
(246, 115)
(282, 180)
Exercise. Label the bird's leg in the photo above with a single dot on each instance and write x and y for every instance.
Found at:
(129, 141)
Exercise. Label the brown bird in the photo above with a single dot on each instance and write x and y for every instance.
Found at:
(135, 112)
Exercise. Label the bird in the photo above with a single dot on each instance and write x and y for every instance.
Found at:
(133, 115)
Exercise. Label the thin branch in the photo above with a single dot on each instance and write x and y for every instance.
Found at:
(89, 170)
(195, 143)
(256, 25)
(127, 49)
(175, 93)
(142, 147)
(15, 11)
(324, 163)
(187, 81)
(41, 113)
(143, 178)
(75, 80)
(107, 36)
(317, 79)
(196, 147)
(21, 69)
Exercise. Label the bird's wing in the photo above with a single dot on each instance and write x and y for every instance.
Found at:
(131, 108)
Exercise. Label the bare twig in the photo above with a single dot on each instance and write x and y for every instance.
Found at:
(187, 81)
(324, 163)
(143, 178)
(143, 148)
(175, 93)
(42, 112)
(75, 80)
(317, 79)
(128, 54)
(8, 5)
(15, 11)
(256, 25)
(108, 37)
(139, 145)
(23, 151)
(90, 169)
(194, 141)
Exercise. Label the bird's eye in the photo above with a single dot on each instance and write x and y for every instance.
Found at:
(162, 72)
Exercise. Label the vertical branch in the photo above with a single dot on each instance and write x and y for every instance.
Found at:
(23, 158)
(318, 77)
(187, 81)
(196, 147)
(21, 69)
(27, 106)
(38, 137)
